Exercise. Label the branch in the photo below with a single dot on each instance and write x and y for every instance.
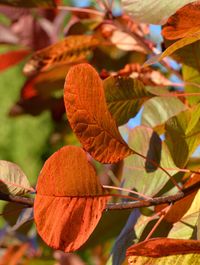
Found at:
(28, 202)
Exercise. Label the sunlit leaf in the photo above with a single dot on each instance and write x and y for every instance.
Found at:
(124, 97)
(29, 3)
(160, 247)
(180, 143)
(183, 23)
(152, 11)
(195, 116)
(173, 48)
(12, 179)
(185, 228)
(181, 207)
(11, 58)
(158, 110)
(191, 76)
(70, 50)
(69, 200)
(89, 117)
(140, 174)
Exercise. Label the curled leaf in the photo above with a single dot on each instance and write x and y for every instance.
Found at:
(173, 48)
(72, 49)
(69, 201)
(89, 117)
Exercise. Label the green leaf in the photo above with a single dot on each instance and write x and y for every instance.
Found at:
(29, 3)
(195, 117)
(124, 97)
(186, 227)
(140, 174)
(180, 143)
(191, 77)
(188, 55)
(174, 47)
(152, 11)
(158, 110)
(12, 179)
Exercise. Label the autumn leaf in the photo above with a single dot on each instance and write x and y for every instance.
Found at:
(152, 11)
(69, 200)
(159, 247)
(183, 23)
(13, 180)
(11, 58)
(70, 50)
(124, 97)
(173, 48)
(89, 117)
(29, 3)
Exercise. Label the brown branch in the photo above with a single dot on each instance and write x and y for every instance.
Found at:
(118, 206)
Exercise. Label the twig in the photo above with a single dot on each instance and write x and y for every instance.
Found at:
(118, 206)
(83, 10)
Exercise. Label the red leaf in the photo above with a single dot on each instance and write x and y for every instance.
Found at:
(159, 247)
(69, 200)
(11, 58)
(89, 117)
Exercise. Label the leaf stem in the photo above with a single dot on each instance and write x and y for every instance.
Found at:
(83, 10)
(127, 190)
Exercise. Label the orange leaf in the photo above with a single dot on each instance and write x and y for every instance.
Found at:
(69, 201)
(160, 247)
(179, 208)
(11, 58)
(70, 50)
(89, 117)
(183, 23)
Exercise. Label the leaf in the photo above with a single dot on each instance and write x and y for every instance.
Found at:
(13, 180)
(12, 212)
(172, 48)
(122, 40)
(185, 228)
(70, 50)
(29, 3)
(140, 174)
(124, 240)
(195, 116)
(183, 23)
(25, 216)
(180, 143)
(7, 36)
(89, 117)
(158, 110)
(181, 207)
(13, 254)
(191, 77)
(187, 55)
(124, 97)
(69, 200)
(11, 58)
(152, 11)
(160, 247)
